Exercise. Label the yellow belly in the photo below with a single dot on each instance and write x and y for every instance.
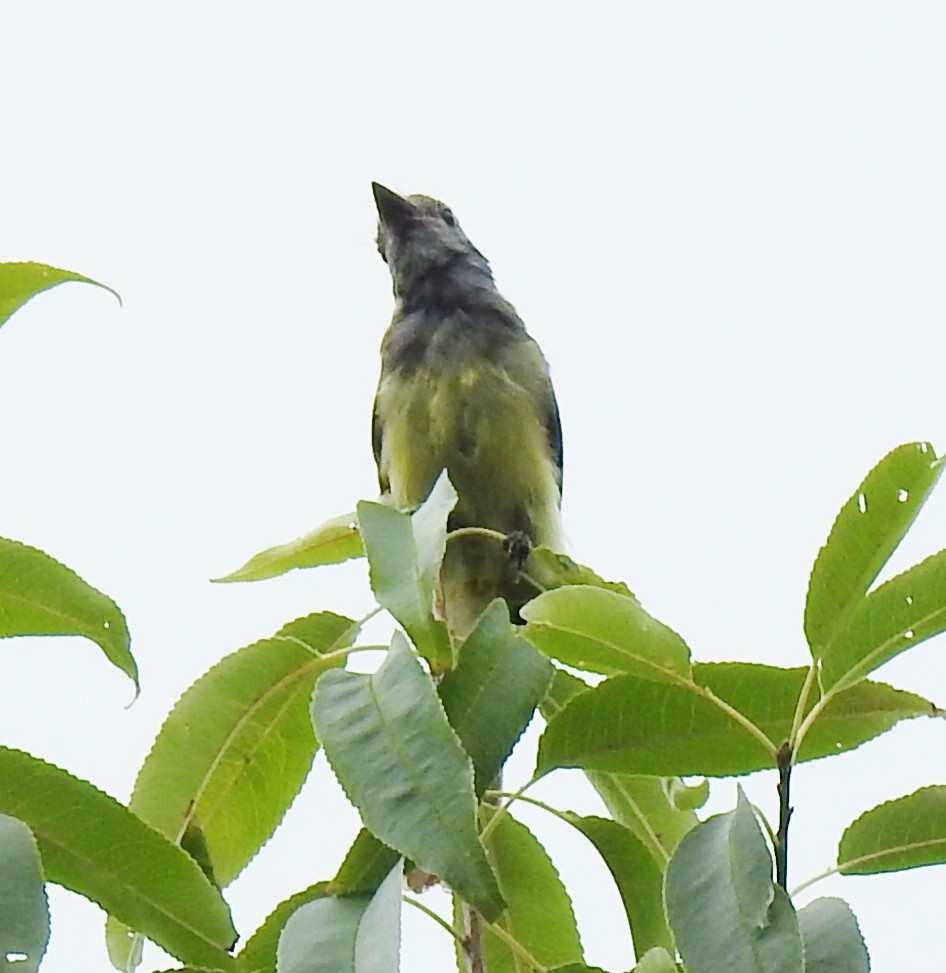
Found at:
(488, 431)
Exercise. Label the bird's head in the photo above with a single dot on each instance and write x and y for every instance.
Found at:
(419, 238)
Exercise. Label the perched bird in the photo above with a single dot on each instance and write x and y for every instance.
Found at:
(464, 388)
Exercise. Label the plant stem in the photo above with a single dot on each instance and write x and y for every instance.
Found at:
(472, 942)
(784, 813)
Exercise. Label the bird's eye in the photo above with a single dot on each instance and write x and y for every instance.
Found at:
(448, 217)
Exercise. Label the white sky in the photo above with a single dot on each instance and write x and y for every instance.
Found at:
(724, 222)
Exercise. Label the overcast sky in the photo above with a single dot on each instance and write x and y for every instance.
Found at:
(724, 222)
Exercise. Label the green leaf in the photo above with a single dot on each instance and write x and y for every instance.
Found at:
(549, 569)
(866, 532)
(656, 960)
(356, 934)
(334, 541)
(24, 912)
(21, 281)
(644, 804)
(832, 938)
(906, 833)
(236, 748)
(365, 866)
(259, 954)
(491, 695)
(683, 730)
(401, 764)
(602, 631)
(93, 845)
(898, 615)
(404, 556)
(725, 911)
(538, 911)
(40, 596)
(636, 873)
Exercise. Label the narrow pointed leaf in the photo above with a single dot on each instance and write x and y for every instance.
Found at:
(900, 614)
(393, 751)
(638, 726)
(866, 532)
(93, 845)
(334, 541)
(638, 876)
(40, 596)
(725, 911)
(21, 281)
(259, 953)
(24, 912)
(832, 938)
(404, 556)
(603, 631)
(538, 912)
(235, 750)
(491, 695)
(906, 833)
(367, 863)
(356, 934)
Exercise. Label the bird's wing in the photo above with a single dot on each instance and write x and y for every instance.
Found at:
(553, 428)
(377, 436)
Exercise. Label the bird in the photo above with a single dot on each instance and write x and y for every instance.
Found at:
(464, 388)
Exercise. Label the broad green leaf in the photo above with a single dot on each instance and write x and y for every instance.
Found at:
(656, 960)
(356, 934)
(549, 569)
(24, 912)
(725, 911)
(898, 615)
(832, 938)
(642, 803)
(636, 873)
(365, 866)
(404, 556)
(93, 845)
(334, 541)
(866, 532)
(259, 953)
(401, 764)
(602, 631)
(21, 281)
(538, 912)
(686, 730)
(236, 748)
(40, 596)
(491, 695)
(906, 833)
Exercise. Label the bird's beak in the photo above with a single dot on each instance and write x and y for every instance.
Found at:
(394, 210)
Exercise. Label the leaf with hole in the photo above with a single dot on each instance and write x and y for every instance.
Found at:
(40, 596)
(866, 532)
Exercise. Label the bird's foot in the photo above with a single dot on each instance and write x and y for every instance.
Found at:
(518, 547)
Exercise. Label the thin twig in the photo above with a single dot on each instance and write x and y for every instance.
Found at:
(784, 813)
